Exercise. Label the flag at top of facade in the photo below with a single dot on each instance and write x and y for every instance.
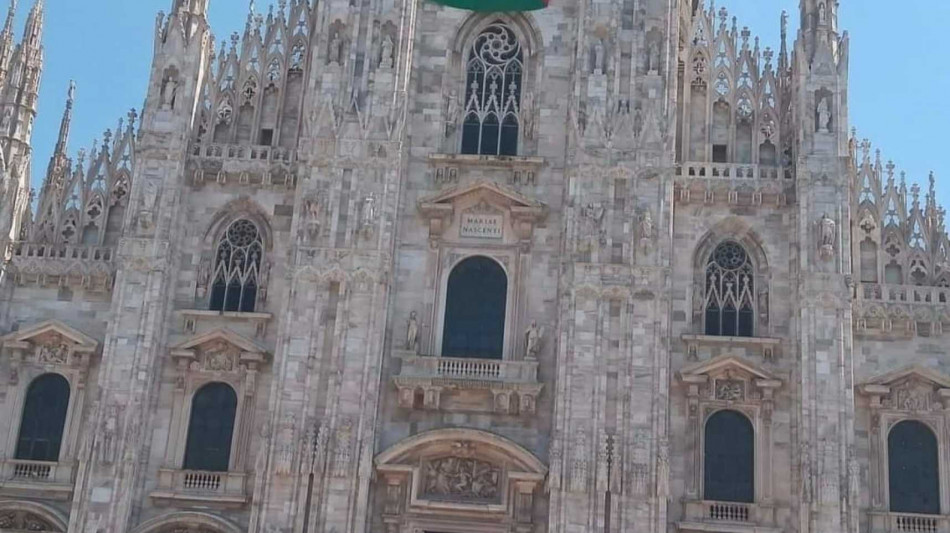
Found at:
(495, 5)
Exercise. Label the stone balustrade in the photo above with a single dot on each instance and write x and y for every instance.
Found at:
(729, 171)
(27, 250)
(881, 292)
(451, 383)
(37, 479)
(240, 152)
(200, 485)
(882, 521)
(762, 517)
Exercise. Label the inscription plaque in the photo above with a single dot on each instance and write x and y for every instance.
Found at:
(482, 226)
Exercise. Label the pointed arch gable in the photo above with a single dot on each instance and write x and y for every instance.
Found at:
(241, 207)
(486, 444)
(735, 229)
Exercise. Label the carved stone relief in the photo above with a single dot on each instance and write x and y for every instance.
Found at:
(461, 479)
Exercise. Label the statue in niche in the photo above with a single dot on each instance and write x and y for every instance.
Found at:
(452, 112)
(335, 50)
(169, 92)
(822, 14)
(653, 56)
(314, 214)
(824, 115)
(386, 53)
(599, 57)
(826, 237)
(647, 230)
(412, 333)
(532, 340)
(527, 114)
(204, 277)
(368, 216)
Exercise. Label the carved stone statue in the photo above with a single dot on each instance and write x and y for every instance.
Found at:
(452, 112)
(335, 50)
(412, 333)
(169, 92)
(386, 53)
(599, 57)
(368, 216)
(653, 56)
(824, 115)
(647, 231)
(826, 237)
(532, 341)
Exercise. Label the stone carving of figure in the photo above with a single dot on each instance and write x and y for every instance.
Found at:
(412, 333)
(822, 13)
(204, 277)
(599, 57)
(527, 114)
(653, 56)
(314, 214)
(169, 92)
(663, 469)
(386, 54)
(452, 112)
(647, 231)
(824, 115)
(532, 340)
(826, 235)
(54, 353)
(368, 216)
(335, 51)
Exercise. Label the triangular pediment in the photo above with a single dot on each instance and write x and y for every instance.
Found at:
(51, 331)
(499, 194)
(726, 364)
(216, 340)
(911, 373)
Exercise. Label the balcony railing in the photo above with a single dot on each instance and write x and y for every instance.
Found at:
(237, 152)
(881, 292)
(469, 369)
(27, 250)
(199, 485)
(727, 512)
(885, 522)
(729, 171)
(36, 471)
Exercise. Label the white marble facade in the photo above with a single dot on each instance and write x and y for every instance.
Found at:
(672, 225)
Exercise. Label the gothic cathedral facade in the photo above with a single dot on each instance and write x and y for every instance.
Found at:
(400, 266)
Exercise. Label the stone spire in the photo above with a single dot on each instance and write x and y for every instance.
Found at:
(6, 41)
(59, 158)
(819, 25)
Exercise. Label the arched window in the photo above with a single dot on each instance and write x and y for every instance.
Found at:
(730, 292)
(475, 304)
(729, 458)
(493, 89)
(210, 428)
(912, 469)
(44, 419)
(237, 268)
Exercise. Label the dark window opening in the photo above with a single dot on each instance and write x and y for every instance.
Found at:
(211, 428)
(44, 419)
(475, 306)
(720, 153)
(267, 137)
(913, 469)
(729, 458)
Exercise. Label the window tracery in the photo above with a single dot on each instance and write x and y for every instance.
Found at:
(493, 92)
(237, 271)
(730, 292)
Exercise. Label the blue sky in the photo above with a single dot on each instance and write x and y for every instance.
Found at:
(900, 80)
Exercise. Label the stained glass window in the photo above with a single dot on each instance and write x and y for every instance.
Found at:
(237, 268)
(493, 93)
(730, 295)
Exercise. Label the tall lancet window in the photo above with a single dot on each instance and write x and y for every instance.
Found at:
(730, 294)
(493, 93)
(237, 268)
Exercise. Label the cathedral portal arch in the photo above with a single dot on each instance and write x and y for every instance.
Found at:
(191, 522)
(470, 474)
(31, 516)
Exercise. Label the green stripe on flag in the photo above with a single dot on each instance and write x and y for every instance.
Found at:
(495, 5)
